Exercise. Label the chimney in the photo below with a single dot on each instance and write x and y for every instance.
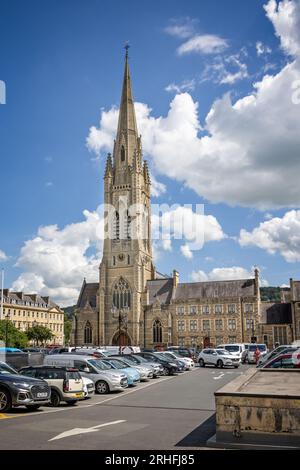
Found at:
(256, 288)
(175, 278)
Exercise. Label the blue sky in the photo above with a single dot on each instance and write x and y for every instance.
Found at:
(62, 63)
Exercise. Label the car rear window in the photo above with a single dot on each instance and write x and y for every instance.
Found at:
(50, 374)
(261, 347)
(73, 375)
(232, 348)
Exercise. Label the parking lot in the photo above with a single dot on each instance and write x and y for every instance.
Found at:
(173, 412)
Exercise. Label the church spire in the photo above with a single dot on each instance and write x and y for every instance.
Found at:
(127, 134)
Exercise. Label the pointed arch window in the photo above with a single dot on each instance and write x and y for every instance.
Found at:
(116, 226)
(121, 294)
(157, 332)
(88, 333)
(122, 153)
(128, 225)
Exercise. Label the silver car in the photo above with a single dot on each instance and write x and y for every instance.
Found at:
(146, 373)
(105, 379)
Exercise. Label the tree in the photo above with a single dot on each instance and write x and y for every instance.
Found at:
(39, 334)
(68, 330)
(15, 338)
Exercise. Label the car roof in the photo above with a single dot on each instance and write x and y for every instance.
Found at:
(49, 366)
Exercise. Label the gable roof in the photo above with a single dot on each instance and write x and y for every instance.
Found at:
(161, 290)
(88, 295)
(215, 289)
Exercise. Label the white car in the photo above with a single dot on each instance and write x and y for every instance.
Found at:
(218, 358)
(88, 387)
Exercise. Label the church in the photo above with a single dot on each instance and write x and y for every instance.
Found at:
(132, 304)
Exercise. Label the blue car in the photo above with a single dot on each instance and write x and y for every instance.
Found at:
(10, 350)
(132, 374)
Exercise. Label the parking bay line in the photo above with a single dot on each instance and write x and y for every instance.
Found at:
(93, 404)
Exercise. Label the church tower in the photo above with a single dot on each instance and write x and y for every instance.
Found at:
(126, 265)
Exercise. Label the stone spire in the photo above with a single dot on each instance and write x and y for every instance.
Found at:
(127, 134)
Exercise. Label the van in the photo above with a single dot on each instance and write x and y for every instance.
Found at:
(236, 349)
(104, 377)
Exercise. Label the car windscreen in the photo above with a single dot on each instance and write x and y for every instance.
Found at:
(100, 365)
(118, 364)
(232, 348)
(139, 359)
(261, 347)
(5, 369)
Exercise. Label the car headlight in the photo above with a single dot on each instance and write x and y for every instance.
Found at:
(22, 384)
(115, 376)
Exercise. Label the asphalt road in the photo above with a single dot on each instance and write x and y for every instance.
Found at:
(166, 413)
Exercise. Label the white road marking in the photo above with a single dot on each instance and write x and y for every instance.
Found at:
(76, 431)
(219, 376)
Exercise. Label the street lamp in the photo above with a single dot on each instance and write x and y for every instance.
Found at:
(7, 317)
(122, 315)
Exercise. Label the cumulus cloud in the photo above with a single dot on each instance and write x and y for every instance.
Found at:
(203, 44)
(226, 70)
(181, 27)
(186, 85)
(225, 274)
(56, 260)
(249, 155)
(285, 16)
(157, 188)
(277, 235)
(3, 256)
(262, 49)
(186, 251)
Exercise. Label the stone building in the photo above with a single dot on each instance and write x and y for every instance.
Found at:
(131, 303)
(26, 310)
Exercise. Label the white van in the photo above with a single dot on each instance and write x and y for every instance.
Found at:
(236, 349)
(105, 379)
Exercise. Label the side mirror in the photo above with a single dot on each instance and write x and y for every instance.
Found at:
(86, 369)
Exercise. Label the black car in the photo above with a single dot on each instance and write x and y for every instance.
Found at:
(169, 367)
(17, 390)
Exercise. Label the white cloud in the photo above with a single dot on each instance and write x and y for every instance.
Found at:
(157, 188)
(181, 28)
(250, 153)
(225, 274)
(3, 256)
(56, 260)
(203, 44)
(262, 49)
(186, 252)
(186, 85)
(278, 235)
(226, 70)
(49, 184)
(285, 16)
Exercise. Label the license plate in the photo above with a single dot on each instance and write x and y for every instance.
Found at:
(42, 395)
(78, 395)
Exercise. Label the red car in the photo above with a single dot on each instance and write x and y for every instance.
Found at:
(284, 361)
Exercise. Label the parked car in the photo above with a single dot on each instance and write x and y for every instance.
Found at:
(175, 355)
(279, 350)
(105, 379)
(236, 349)
(60, 350)
(218, 358)
(169, 356)
(10, 350)
(182, 351)
(17, 390)
(66, 383)
(169, 367)
(250, 358)
(88, 387)
(133, 377)
(146, 373)
(284, 361)
(156, 367)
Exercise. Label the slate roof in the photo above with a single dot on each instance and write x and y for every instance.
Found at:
(20, 298)
(160, 289)
(215, 289)
(88, 295)
(275, 313)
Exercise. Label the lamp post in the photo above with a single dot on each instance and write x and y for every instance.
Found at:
(122, 315)
(7, 317)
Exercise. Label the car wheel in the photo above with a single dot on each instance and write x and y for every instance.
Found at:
(201, 363)
(71, 402)
(5, 400)
(32, 407)
(166, 371)
(55, 398)
(220, 364)
(101, 387)
(236, 367)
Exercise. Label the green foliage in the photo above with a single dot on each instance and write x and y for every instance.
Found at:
(15, 337)
(39, 334)
(67, 329)
(270, 294)
(69, 311)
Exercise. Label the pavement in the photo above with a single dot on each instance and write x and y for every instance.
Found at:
(168, 413)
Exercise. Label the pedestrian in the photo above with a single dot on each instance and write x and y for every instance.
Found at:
(257, 354)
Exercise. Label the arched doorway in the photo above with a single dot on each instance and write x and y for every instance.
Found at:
(206, 342)
(121, 339)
